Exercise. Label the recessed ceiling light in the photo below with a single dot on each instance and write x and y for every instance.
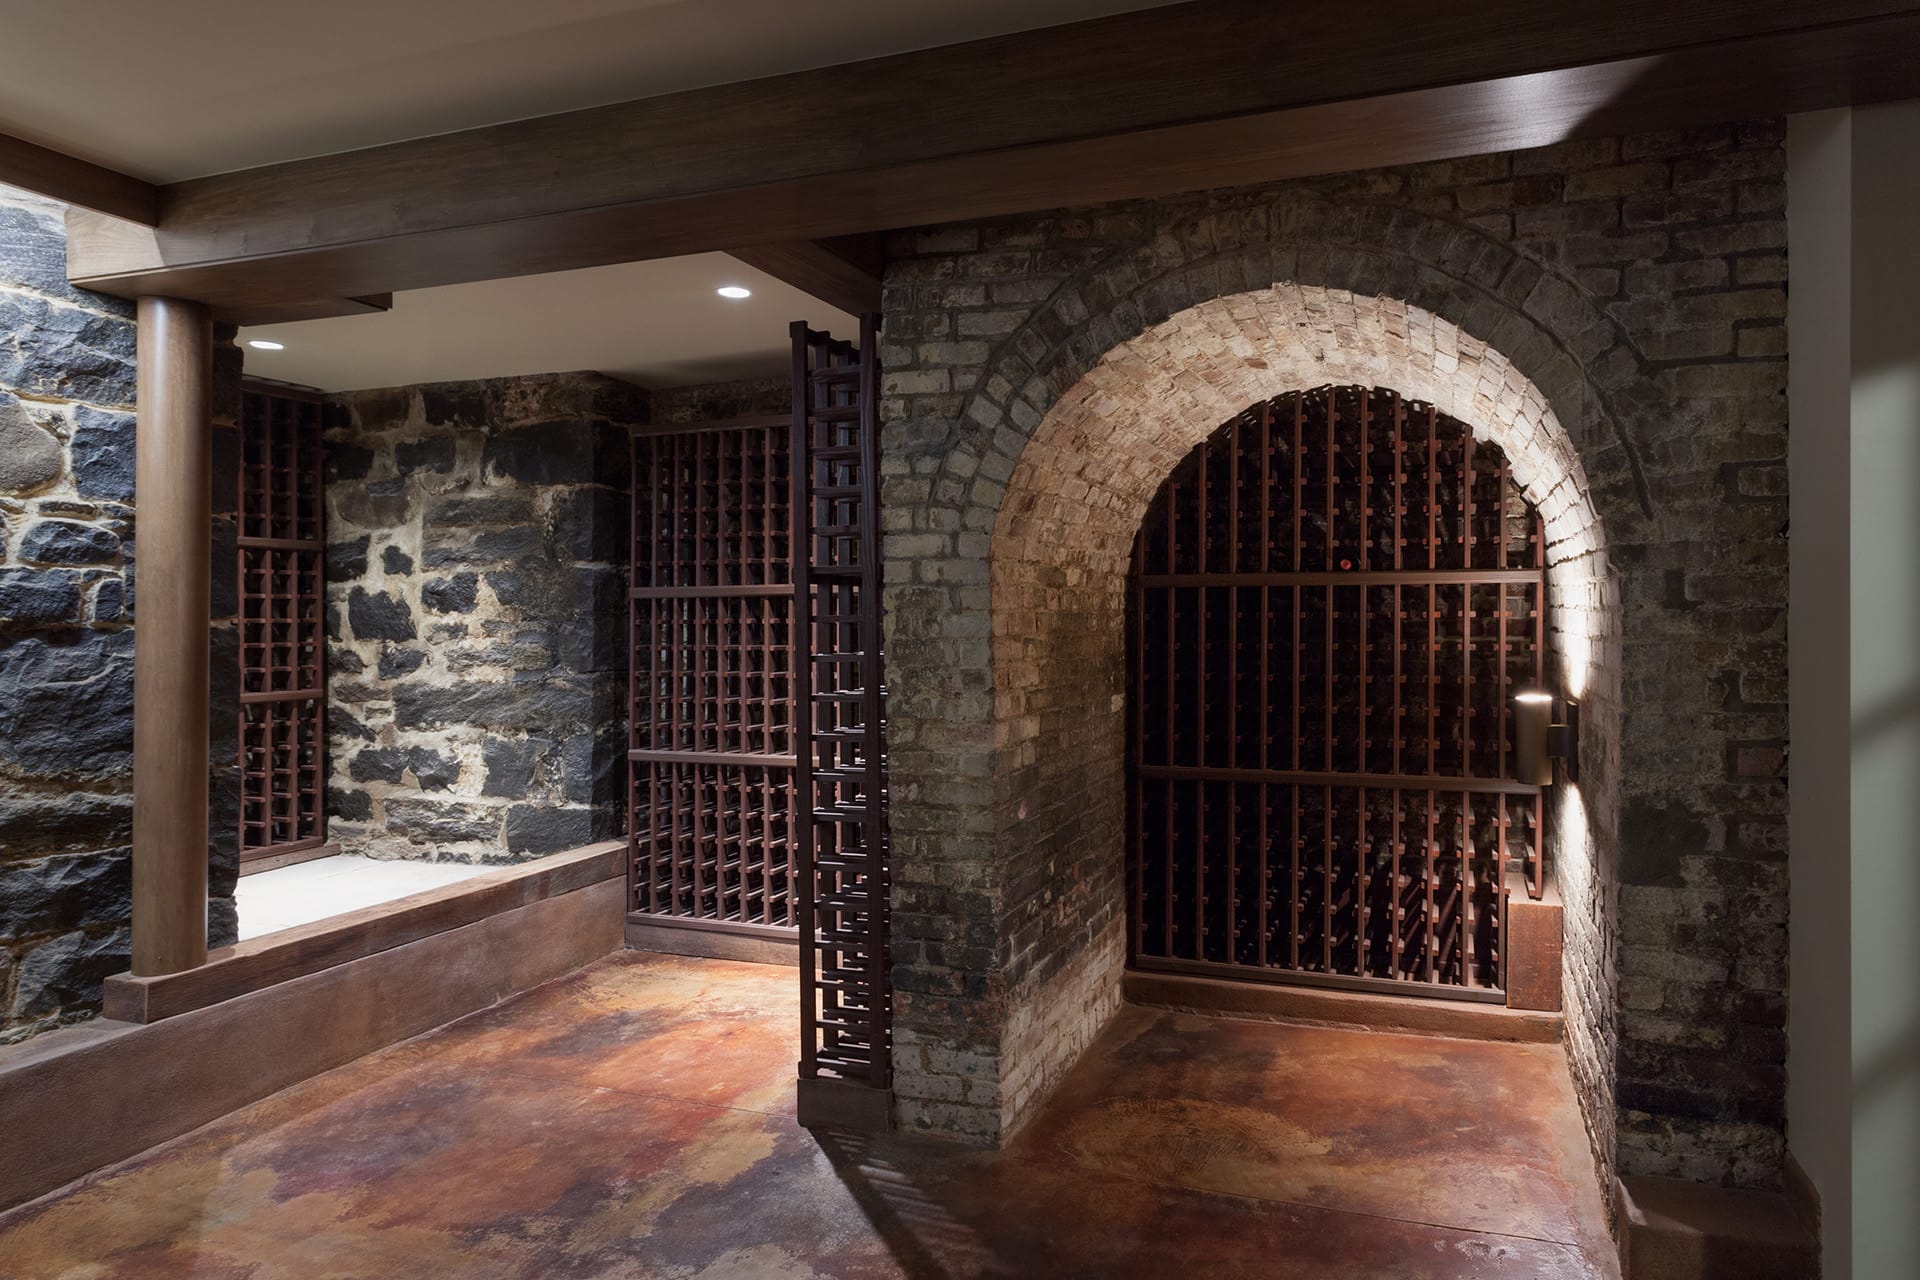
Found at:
(733, 291)
(261, 344)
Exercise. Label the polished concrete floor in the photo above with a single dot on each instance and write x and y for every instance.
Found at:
(635, 1120)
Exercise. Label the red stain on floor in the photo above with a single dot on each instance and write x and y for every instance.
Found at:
(635, 1120)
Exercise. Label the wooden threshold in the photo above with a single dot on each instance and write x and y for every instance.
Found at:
(1414, 1015)
(714, 939)
(310, 851)
(274, 958)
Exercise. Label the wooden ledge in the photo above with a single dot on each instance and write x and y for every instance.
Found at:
(1412, 1015)
(274, 958)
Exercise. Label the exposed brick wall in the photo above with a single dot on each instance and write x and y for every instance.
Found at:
(476, 589)
(67, 538)
(1635, 286)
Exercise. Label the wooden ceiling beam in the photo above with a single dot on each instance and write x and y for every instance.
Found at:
(72, 181)
(312, 309)
(1216, 93)
(843, 271)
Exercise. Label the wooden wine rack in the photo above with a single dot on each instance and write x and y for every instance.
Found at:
(1333, 600)
(710, 817)
(282, 590)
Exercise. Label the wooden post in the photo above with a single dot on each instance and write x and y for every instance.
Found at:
(173, 491)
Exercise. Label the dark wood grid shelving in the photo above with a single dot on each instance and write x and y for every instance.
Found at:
(282, 589)
(1333, 600)
(711, 731)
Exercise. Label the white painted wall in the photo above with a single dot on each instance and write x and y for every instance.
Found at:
(1819, 387)
(1854, 457)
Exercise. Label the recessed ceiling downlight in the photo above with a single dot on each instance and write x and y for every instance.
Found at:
(733, 291)
(261, 344)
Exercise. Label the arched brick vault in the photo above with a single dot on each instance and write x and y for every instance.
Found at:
(1014, 486)
(1061, 540)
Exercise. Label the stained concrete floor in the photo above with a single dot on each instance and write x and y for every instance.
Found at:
(635, 1120)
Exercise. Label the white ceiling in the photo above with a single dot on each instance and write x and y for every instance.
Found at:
(657, 323)
(172, 89)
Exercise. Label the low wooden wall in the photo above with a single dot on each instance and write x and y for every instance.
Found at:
(75, 1100)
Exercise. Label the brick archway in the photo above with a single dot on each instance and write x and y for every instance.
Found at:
(992, 327)
(1060, 538)
(1060, 543)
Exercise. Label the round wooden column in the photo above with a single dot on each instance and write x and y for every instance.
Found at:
(173, 490)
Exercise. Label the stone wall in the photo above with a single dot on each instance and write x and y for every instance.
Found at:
(67, 534)
(1638, 284)
(717, 401)
(476, 615)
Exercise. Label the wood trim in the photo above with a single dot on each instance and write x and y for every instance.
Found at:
(842, 272)
(287, 856)
(714, 939)
(1174, 99)
(1249, 975)
(77, 182)
(733, 759)
(309, 309)
(291, 953)
(1804, 1196)
(1313, 778)
(1461, 1019)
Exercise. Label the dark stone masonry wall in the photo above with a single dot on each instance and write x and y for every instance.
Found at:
(67, 532)
(476, 613)
(1639, 283)
(715, 401)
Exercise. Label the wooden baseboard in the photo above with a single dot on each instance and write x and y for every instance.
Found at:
(1416, 1015)
(1804, 1196)
(714, 940)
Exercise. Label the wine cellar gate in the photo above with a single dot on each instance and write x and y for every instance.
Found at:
(1332, 601)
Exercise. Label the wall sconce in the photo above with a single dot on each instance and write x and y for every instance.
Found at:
(1545, 728)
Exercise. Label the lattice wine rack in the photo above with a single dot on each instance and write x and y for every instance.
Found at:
(1333, 600)
(846, 1002)
(282, 546)
(711, 731)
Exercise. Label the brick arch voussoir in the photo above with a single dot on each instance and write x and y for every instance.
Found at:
(1540, 320)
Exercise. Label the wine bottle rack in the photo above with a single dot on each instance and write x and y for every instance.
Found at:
(281, 552)
(1332, 601)
(710, 749)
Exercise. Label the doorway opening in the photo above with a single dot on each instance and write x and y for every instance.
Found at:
(1333, 600)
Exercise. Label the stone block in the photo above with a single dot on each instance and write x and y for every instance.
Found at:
(100, 454)
(36, 597)
(376, 615)
(65, 972)
(456, 594)
(538, 829)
